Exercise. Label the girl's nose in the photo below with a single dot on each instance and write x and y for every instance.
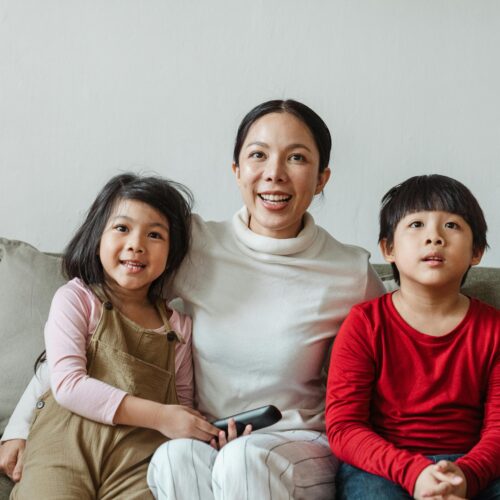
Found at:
(134, 244)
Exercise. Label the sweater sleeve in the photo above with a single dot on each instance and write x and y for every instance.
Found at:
(66, 339)
(351, 383)
(481, 464)
(20, 420)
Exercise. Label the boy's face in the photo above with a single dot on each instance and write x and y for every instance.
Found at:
(432, 248)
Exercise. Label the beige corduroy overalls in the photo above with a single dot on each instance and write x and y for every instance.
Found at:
(70, 457)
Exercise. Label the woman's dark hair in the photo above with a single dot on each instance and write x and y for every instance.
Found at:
(314, 123)
(171, 199)
(431, 193)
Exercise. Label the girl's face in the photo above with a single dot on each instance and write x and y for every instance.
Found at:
(278, 174)
(134, 247)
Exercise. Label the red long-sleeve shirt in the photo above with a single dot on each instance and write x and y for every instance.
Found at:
(395, 394)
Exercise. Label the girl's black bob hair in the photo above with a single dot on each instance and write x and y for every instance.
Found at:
(171, 199)
(431, 193)
(314, 123)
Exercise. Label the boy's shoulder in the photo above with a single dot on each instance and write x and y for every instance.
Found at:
(482, 310)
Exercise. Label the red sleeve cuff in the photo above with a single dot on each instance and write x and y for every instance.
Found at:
(419, 464)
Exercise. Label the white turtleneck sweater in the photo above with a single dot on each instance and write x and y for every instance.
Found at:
(264, 314)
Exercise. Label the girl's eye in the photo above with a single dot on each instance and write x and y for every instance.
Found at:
(121, 228)
(451, 225)
(155, 235)
(416, 223)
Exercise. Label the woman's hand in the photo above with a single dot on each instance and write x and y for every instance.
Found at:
(11, 458)
(232, 433)
(444, 480)
(178, 421)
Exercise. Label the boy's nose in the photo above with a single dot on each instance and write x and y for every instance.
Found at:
(435, 240)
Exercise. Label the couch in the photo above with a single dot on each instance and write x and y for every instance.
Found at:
(29, 278)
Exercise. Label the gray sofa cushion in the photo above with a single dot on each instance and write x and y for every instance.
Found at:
(28, 280)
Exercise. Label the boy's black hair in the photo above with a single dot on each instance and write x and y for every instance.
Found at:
(431, 193)
(305, 114)
(173, 200)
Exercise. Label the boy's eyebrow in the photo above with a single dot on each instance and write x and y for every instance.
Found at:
(152, 224)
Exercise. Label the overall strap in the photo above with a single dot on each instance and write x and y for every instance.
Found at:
(171, 334)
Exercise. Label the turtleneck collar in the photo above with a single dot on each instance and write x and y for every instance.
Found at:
(274, 246)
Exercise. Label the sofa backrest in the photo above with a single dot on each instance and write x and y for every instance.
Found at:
(29, 279)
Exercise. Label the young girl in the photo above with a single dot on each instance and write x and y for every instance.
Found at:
(120, 361)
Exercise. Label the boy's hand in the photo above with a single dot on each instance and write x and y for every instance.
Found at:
(232, 433)
(444, 480)
(11, 458)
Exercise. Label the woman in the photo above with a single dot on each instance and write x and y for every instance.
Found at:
(267, 292)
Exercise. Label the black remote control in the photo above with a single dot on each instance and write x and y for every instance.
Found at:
(258, 418)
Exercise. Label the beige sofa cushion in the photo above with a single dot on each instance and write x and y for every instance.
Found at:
(28, 280)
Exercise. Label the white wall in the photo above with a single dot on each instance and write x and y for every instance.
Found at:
(89, 88)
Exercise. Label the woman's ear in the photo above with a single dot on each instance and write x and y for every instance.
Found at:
(387, 251)
(236, 170)
(322, 180)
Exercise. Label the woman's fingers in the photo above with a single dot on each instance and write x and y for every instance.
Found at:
(248, 430)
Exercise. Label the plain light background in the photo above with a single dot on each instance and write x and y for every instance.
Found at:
(91, 88)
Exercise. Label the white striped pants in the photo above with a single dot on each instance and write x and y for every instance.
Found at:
(262, 466)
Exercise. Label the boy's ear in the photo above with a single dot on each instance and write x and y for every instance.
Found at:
(386, 250)
(477, 255)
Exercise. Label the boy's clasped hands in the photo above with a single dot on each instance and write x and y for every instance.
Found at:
(441, 481)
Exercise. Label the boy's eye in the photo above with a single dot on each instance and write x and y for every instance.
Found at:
(416, 223)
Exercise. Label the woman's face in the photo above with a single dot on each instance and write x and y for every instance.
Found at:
(278, 174)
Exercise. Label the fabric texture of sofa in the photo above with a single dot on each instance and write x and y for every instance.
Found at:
(28, 280)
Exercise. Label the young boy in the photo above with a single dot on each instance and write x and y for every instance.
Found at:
(413, 398)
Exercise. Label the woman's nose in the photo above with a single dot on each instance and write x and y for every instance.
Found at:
(275, 170)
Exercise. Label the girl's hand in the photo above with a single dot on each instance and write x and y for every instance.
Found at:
(178, 421)
(232, 433)
(11, 458)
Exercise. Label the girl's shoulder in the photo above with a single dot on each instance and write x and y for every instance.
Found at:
(182, 324)
(76, 298)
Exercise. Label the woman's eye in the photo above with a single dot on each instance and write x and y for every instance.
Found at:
(416, 223)
(121, 228)
(297, 157)
(258, 155)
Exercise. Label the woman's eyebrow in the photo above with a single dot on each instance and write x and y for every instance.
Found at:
(257, 143)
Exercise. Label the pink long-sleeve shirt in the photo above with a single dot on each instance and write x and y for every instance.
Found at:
(73, 318)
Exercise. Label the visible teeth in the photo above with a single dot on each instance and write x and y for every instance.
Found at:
(133, 264)
(275, 197)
